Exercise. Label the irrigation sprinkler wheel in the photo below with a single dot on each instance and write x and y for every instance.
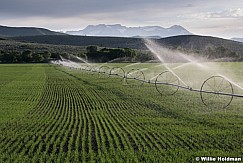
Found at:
(167, 83)
(88, 68)
(93, 70)
(103, 71)
(85, 68)
(211, 89)
(117, 72)
(135, 77)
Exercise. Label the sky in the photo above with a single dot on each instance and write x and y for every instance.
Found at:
(220, 18)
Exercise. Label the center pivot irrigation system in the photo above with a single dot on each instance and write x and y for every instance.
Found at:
(213, 89)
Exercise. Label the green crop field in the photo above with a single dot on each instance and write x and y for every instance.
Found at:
(50, 113)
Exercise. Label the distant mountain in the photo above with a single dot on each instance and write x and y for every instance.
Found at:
(118, 30)
(237, 39)
(25, 31)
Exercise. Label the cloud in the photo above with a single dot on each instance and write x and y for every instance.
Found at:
(66, 8)
(189, 5)
(233, 13)
(230, 13)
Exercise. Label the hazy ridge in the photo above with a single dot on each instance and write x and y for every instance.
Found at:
(6, 31)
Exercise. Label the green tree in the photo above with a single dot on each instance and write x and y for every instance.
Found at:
(82, 55)
(92, 53)
(27, 56)
(1, 56)
(17, 57)
(38, 58)
(46, 56)
(10, 57)
(65, 55)
(92, 49)
(55, 56)
(130, 52)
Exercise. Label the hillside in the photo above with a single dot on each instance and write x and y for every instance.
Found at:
(25, 31)
(190, 42)
(114, 42)
(12, 45)
(201, 43)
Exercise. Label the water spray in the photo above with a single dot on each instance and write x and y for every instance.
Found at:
(155, 52)
(213, 89)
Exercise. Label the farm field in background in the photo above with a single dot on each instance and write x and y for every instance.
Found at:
(49, 113)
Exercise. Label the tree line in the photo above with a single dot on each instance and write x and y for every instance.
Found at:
(98, 54)
(26, 56)
(95, 54)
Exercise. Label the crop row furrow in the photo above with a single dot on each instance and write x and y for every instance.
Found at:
(116, 138)
(150, 137)
(133, 139)
(139, 134)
